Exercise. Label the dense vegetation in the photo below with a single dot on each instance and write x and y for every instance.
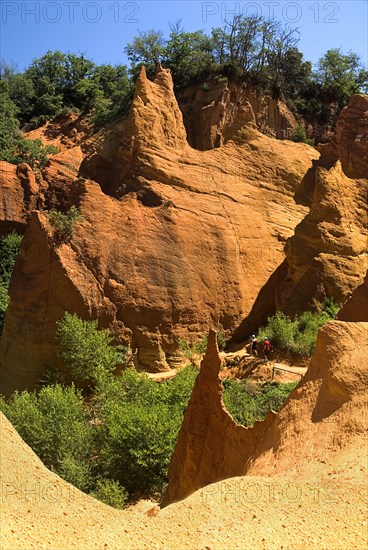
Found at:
(9, 250)
(298, 335)
(248, 402)
(115, 440)
(249, 50)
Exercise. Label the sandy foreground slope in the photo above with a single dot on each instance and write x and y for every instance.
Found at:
(327, 510)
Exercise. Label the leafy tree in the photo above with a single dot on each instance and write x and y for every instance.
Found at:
(9, 124)
(340, 76)
(298, 335)
(299, 135)
(248, 402)
(110, 492)
(87, 351)
(140, 424)
(148, 48)
(189, 56)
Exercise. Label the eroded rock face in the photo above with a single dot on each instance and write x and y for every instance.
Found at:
(181, 239)
(19, 195)
(327, 255)
(349, 143)
(59, 176)
(323, 414)
(210, 446)
(356, 308)
(319, 419)
(213, 116)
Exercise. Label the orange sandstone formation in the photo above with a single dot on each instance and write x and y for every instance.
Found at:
(173, 241)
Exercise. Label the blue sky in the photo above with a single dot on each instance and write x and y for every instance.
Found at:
(100, 29)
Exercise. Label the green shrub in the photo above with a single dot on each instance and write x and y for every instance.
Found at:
(280, 330)
(54, 424)
(299, 135)
(34, 153)
(87, 351)
(221, 340)
(298, 335)
(239, 402)
(111, 493)
(248, 402)
(177, 392)
(9, 250)
(140, 424)
(137, 443)
(63, 224)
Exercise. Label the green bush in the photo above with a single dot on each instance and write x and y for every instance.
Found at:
(140, 424)
(111, 493)
(248, 402)
(87, 351)
(53, 422)
(298, 335)
(280, 330)
(299, 135)
(34, 153)
(9, 250)
(63, 224)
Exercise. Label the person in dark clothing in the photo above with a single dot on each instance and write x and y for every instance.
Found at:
(253, 346)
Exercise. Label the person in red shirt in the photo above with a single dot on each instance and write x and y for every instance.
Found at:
(266, 349)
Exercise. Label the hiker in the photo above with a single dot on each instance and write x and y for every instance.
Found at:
(253, 346)
(266, 349)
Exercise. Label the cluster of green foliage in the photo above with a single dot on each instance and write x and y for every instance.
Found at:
(299, 136)
(249, 49)
(9, 250)
(33, 152)
(55, 424)
(63, 224)
(115, 441)
(255, 51)
(87, 352)
(298, 335)
(57, 81)
(248, 402)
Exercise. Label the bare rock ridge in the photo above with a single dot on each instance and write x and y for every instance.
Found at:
(19, 194)
(327, 255)
(321, 417)
(349, 143)
(210, 446)
(212, 116)
(356, 308)
(181, 240)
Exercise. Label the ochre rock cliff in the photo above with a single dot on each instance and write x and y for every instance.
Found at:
(323, 415)
(327, 255)
(356, 308)
(213, 116)
(19, 194)
(320, 419)
(210, 446)
(350, 140)
(177, 240)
